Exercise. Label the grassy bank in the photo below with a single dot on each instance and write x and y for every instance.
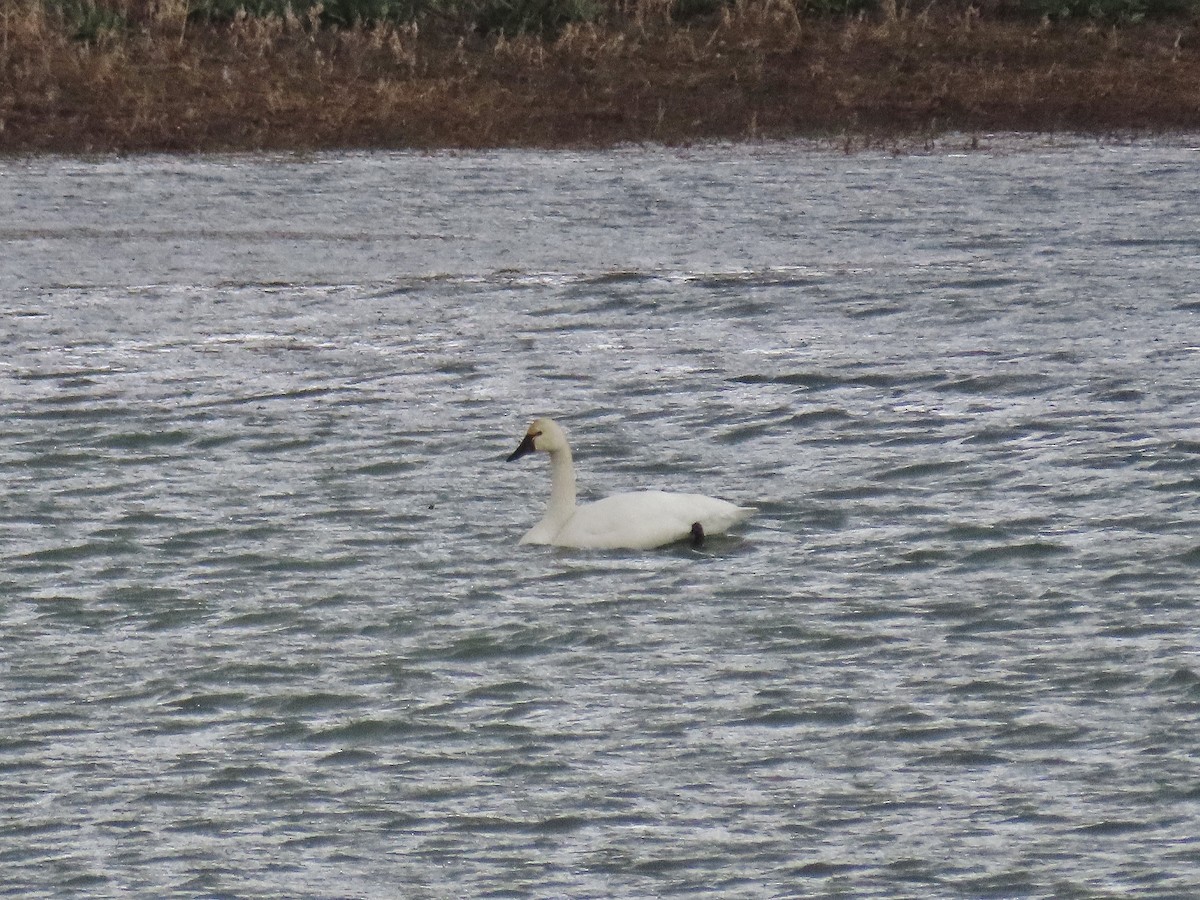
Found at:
(145, 75)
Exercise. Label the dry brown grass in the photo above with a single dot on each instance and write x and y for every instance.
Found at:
(758, 70)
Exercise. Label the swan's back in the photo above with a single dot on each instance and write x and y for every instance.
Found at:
(642, 520)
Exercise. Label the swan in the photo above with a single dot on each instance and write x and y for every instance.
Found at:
(638, 520)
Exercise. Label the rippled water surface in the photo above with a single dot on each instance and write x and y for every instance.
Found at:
(265, 630)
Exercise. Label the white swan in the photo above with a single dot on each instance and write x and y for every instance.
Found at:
(639, 520)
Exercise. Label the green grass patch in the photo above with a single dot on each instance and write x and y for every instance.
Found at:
(86, 20)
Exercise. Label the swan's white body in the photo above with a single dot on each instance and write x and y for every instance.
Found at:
(639, 520)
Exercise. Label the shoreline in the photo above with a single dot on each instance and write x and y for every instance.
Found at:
(950, 143)
(757, 75)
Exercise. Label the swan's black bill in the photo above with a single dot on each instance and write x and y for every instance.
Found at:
(526, 446)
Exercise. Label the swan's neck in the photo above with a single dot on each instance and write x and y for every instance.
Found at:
(562, 488)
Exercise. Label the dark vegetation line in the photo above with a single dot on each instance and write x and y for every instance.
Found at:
(88, 19)
(216, 75)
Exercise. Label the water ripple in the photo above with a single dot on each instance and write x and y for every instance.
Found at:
(265, 632)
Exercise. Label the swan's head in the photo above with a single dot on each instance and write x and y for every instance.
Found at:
(543, 434)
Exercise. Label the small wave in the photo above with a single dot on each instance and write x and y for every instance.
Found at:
(70, 553)
(618, 277)
(145, 440)
(823, 869)
(354, 757)
(827, 714)
(1018, 384)
(1040, 735)
(984, 282)
(917, 560)
(206, 703)
(1183, 683)
(1026, 550)
(813, 417)
(1113, 827)
(962, 757)
(875, 312)
(1010, 433)
(810, 380)
(564, 824)
(1190, 557)
(369, 730)
(920, 470)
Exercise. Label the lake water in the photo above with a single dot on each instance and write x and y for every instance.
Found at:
(265, 630)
